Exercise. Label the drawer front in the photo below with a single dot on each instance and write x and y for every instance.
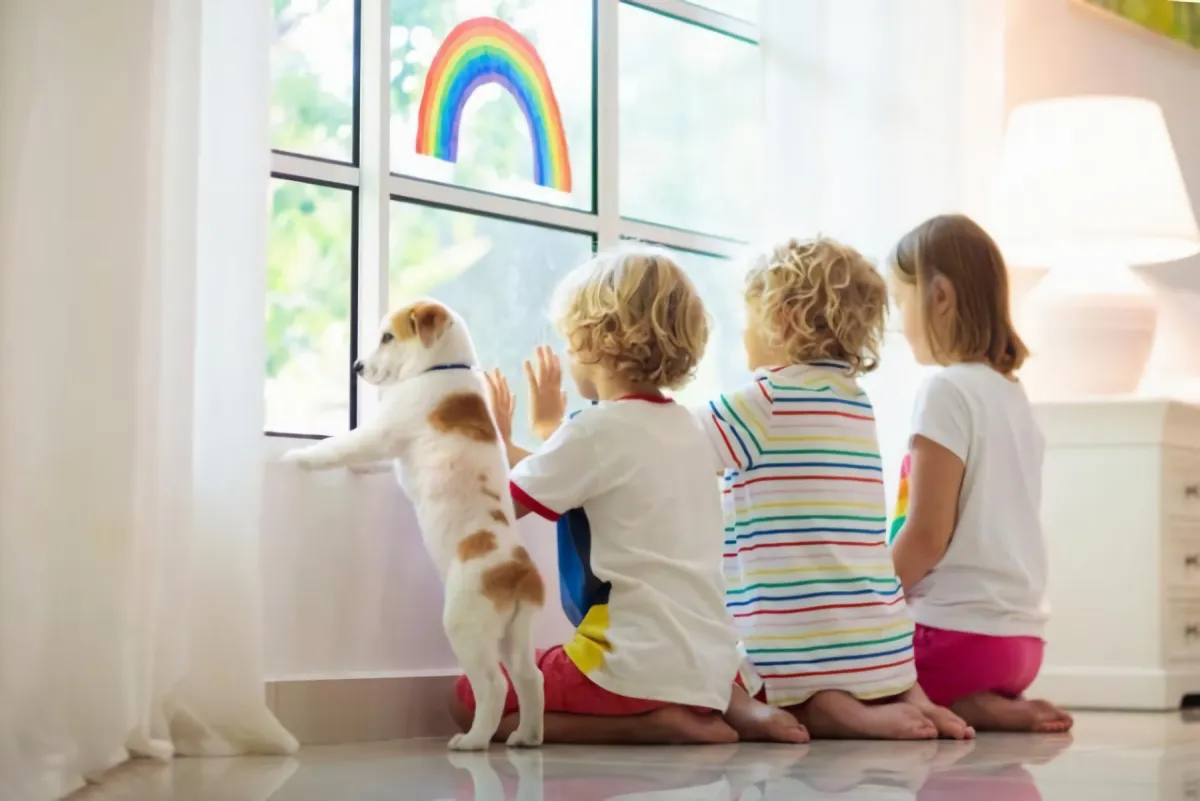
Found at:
(1183, 631)
(1181, 483)
(1182, 552)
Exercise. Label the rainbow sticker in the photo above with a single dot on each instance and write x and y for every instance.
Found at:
(901, 499)
(486, 50)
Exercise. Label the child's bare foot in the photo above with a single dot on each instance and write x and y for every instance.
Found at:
(838, 715)
(991, 712)
(949, 725)
(755, 721)
(676, 725)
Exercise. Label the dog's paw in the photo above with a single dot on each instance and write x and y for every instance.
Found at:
(461, 742)
(526, 739)
(300, 457)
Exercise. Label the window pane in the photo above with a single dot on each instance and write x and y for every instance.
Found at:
(498, 275)
(308, 309)
(743, 9)
(495, 150)
(691, 119)
(312, 70)
(719, 282)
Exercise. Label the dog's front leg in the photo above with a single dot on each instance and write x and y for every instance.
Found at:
(363, 445)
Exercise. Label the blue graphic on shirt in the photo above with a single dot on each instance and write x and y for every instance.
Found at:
(578, 585)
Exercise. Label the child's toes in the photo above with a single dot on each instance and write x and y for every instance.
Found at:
(949, 725)
(780, 726)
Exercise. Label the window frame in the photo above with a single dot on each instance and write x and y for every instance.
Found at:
(373, 186)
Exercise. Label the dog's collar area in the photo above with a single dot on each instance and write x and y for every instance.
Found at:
(438, 367)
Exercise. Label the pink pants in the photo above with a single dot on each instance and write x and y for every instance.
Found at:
(954, 664)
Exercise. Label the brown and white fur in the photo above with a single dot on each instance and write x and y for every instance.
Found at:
(438, 431)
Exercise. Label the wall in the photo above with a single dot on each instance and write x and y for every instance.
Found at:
(1062, 47)
(349, 588)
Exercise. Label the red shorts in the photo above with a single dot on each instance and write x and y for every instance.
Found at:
(954, 664)
(568, 690)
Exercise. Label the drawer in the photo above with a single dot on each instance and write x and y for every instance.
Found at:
(1183, 631)
(1181, 486)
(1181, 568)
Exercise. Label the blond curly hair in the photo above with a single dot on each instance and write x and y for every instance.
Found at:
(635, 312)
(819, 299)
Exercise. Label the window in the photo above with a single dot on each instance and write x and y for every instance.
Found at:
(308, 307)
(312, 67)
(690, 123)
(475, 151)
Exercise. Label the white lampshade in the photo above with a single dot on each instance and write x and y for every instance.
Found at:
(1090, 180)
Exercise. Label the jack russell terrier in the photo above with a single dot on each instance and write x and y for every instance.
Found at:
(434, 423)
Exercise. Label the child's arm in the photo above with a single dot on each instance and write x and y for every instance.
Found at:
(736, 424)
(503, 406)
(934, 482)
(577, 463)
(939, 448)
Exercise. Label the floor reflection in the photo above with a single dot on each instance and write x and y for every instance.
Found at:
(1128, 758)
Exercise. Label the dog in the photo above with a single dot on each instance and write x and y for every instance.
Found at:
(434, 424)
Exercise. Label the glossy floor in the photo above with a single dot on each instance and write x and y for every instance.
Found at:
(1118, 757)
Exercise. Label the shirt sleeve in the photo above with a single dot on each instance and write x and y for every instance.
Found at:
(568, 470)
(736, 423)
(942, 414)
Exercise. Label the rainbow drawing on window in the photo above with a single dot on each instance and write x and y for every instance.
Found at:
(487, 50)
(901, 499)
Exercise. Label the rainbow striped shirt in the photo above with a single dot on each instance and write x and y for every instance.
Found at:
(809, 577)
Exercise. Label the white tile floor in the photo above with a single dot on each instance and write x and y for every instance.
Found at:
(1117, 757)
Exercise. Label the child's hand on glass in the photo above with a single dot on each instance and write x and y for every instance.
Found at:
(501, 399)
(547, 399)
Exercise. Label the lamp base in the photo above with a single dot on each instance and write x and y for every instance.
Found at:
(1087, 339)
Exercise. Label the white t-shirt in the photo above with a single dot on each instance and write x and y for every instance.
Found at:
(992, 579)
(640, 555)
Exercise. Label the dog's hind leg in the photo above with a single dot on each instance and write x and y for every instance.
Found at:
(526, 677)
(472, 626)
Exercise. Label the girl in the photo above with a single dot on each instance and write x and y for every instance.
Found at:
(968, 543)
(809, 582)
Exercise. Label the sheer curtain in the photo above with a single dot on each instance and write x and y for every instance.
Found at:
(881, 113)
(133, 164)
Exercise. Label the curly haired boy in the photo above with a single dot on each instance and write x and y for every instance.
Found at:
(809, 579)
(629, 482)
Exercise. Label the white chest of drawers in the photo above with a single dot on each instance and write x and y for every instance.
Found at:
(1121, 510)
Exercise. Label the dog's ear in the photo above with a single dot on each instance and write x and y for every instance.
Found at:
(428, 321)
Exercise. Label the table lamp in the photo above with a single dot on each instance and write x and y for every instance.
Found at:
(1091, 187)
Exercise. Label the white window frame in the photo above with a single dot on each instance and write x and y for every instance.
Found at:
(374, 186)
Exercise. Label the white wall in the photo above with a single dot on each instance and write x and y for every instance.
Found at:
(1062, 47)
(349, 588)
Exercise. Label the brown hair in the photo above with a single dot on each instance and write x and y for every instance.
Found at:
(958, 249)
(636, 312)
(819, 299)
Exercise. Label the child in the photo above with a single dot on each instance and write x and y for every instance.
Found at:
(653, 658)
(809, 581)
(969, 547)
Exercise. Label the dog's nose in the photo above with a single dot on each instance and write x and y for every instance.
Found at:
(359, 367)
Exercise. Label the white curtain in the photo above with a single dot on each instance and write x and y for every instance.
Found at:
(880, 114)
(133, 167)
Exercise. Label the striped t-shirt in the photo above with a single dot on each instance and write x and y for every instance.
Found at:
(809, 577)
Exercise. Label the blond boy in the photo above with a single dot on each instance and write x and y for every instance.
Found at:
(629, 483)
(810, 582)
